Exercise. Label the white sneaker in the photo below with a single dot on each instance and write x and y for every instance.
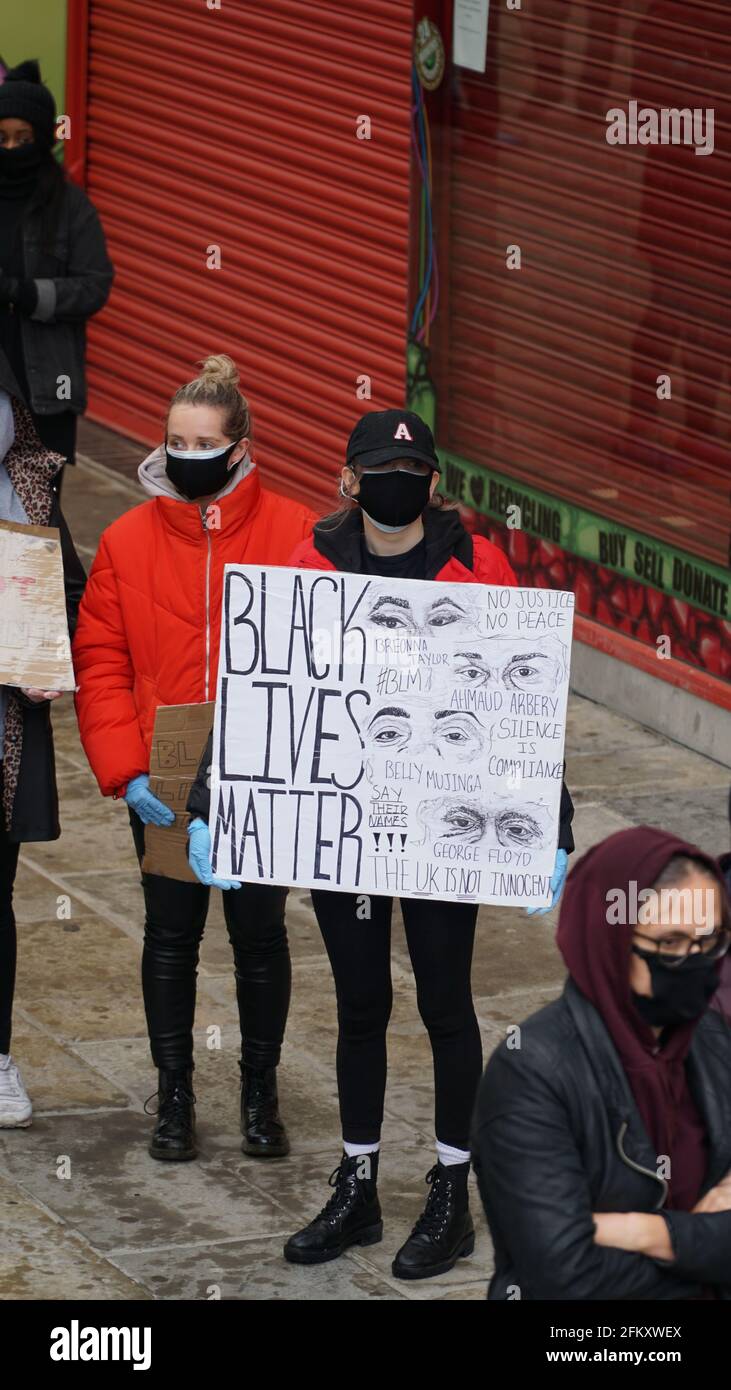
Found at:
(15, 1107)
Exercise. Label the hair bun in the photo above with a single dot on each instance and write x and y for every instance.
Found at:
(219, 367)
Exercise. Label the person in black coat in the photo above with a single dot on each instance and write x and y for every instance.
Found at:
(28, 794)
(54, 268)
(602, 1130)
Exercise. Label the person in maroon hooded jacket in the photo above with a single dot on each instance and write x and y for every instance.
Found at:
(393, 526)
(602, 1144)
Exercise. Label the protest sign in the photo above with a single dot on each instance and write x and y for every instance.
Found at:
(34, 636)
(178, 740)
(385, 736)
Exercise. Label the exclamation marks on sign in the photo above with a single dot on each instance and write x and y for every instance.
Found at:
(377, 836)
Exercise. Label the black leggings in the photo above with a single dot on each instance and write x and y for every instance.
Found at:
(175, 916)
(8, 943)
(58, 432)
(440, 937)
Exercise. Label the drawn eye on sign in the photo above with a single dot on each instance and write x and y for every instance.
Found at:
(425, 732)
(421, 616)
(535, 664)
(469, 821)
(452, 818)
(522, 826)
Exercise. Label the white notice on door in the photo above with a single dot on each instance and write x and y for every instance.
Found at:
(470, 34)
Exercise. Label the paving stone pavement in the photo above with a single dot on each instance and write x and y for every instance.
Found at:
(84, 1212)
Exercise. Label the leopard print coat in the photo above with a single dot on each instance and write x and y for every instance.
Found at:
(31, 469)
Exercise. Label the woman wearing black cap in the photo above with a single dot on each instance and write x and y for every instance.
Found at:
(54, 268)
(389, 528)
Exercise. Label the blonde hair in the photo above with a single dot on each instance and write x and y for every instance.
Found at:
(218, 386)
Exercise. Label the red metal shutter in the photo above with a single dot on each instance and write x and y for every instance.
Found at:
(236, 127)
(552, 369)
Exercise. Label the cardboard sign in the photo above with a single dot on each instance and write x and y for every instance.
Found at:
(178, 741)
(34, 636)
(384, 736)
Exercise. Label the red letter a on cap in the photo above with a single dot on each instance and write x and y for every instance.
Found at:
(403, 433)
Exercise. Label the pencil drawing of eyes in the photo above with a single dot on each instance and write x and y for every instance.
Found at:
(392, 612)
(389, 729)
(457, 734)
(445, 612)
(518, 828)
(421, 614)
(470, 668)
(453, 818)
(531, 671)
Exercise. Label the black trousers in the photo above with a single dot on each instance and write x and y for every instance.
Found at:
(440, 938)
(8, 941)
(175, 916)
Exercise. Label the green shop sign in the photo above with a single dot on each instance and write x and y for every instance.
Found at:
(588, 535)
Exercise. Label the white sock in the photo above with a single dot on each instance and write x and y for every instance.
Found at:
(352, 1150)
(447, 1155)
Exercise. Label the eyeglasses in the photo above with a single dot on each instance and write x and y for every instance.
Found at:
(674, 950)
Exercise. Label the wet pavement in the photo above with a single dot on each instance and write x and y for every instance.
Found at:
(84, 1211)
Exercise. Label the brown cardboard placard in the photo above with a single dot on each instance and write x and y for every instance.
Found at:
(34, 638)
(178, 740)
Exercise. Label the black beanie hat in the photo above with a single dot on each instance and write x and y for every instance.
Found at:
(24, 96)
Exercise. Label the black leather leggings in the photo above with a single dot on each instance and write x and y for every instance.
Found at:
(175, 916)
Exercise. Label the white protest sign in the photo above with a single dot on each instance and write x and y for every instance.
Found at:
(34, 637)
(395, 737)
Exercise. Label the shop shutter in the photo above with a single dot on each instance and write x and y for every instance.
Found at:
(552, 369)
(236, 127)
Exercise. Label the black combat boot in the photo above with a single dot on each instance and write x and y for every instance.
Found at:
(263, 1131)
(352, 1216)
(174, 1135)
(444, 1232)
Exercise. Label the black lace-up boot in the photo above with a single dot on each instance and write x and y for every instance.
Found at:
(174, 1134)
(444, 1232)
(263, 1131)
(352, 1216)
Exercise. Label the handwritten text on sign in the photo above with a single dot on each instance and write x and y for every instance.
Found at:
(389, 736)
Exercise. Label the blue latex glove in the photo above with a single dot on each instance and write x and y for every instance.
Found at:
(149, 809)
(199, 856)
(558, 878)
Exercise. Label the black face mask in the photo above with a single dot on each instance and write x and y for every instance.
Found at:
(680, 993)
(21, 161)
(393, 500)
(201, 473)
(20, 170)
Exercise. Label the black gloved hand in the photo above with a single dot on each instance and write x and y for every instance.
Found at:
(22, 294)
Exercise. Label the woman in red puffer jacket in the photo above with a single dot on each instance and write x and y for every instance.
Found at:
(148, 635)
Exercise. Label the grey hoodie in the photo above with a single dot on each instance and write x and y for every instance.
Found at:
(156, 483)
